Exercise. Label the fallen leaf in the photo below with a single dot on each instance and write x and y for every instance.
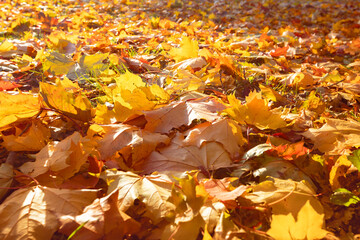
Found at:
(189, 49)
(59, 160)
(308, 225)
(33, 213)
(224, 131)
(335, 136)
(58, 63)
(17, 107)
(101, 219)
(34, 139)
(6, 178)
(177, 114)
(120, 136)
(255, 112)
(66, 98)
(279, 51)
(218, 189)
(6, 85)
(152, 190)
(177, 158)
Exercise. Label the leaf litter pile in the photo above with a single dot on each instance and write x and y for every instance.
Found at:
(179, 119)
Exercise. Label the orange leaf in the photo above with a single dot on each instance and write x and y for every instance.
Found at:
(279, 52)
(5, 85)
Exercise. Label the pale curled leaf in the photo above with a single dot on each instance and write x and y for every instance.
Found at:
(177, 158)
(177, 114)
(224, 131)
(335, 136)
(119, 136)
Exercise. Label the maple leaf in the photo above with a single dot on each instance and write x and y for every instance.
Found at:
(338, 171)
(101, 219)
(58, 63)
(255, 112)
(6, 178)
(300, 80)
(131, 97)
(285, 196)
(334, 136)
(32, 213)
(122, 137)
(224, 131)
(32, 140)
(189, 49)
(66, 98)
(17, 107)
(219, 190)
(89, 65)
(60, 160)
(308, 225)
(5, 85)
(291, 151)
(181, 113)
(153, 191)
(177, 158)
(279, 52)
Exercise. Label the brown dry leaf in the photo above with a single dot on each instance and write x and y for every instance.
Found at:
(308, 225)
(32, 213)
(120, 136)
(59, 160)
(101, 219)
(16, 107)
(177, 114)
(6, 178)
(178, 158)
(335, 136)
(32, 140)
(224, 131)
(152, 190)
(255, 112)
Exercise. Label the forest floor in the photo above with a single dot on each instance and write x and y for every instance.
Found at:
(179, 119)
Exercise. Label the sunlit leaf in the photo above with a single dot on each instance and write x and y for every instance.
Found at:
(17, 107)
(255, 112)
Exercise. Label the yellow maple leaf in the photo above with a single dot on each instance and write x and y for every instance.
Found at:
(255, 112)
(308, 225)
(189, 49)
(58, 63)
(32, 140)
(14, 108)
(67, 99)
(128, 103)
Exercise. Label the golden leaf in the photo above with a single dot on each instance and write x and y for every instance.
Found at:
(255, 112)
